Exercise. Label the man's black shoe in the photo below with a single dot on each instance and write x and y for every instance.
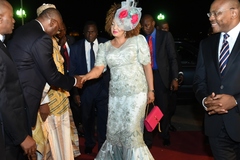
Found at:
(172, 128)
(88, 150)
(80, 134)
(80, 130)
(166, 142)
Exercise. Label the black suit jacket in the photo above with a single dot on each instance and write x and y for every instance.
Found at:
(166, 56)
(207, 80)
(31, 49)
(78, 63)
(13, 118)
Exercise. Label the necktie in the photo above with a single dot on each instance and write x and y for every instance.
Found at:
(66, 56)
(150, 43)
(92, 56)
(224, 54)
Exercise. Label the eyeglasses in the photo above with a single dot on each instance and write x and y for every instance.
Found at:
(217, 13)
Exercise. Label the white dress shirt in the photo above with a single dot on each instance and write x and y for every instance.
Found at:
(87, 51)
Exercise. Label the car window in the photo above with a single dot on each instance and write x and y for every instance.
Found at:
(187, 53)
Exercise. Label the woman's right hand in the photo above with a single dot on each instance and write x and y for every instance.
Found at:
(79, 83)
(83, 79)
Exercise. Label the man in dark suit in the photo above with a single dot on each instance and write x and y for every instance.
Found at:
(163, 25)
(31, 48)
(94, 94)
(65, 41)
(15, 139)
(165, 66)
(216, 84)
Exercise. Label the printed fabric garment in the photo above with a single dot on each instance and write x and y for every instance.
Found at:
(127, 99)
(60, 139)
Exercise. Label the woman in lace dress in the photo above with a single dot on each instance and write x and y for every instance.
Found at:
(131, 84)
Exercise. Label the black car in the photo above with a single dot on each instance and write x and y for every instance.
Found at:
(187, 52)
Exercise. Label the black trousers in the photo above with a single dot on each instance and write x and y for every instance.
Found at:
(223, 147)
(161, 100)
(75, 111)
(172, 103)
(94, 112)
(15, 153)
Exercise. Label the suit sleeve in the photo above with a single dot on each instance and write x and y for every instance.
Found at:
(12, 106)
(172, 55)
(199, 81)
(179, 62)
(42, 52)
(73, 60)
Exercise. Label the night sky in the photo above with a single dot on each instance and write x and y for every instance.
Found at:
(186, 17)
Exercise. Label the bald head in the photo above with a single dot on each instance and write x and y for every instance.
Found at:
(6, 17)
(148, 24)
(147, 16)
(4, 4)
(51, 20)
(224, 15)
(227, 3)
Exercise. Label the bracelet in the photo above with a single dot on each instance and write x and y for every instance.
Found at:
(152, 91)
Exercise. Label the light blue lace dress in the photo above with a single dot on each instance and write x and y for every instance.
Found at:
(127, 99)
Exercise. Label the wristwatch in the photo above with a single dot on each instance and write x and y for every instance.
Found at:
(176, 79)
(180, 73)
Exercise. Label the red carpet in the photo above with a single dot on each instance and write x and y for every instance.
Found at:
(185, 145)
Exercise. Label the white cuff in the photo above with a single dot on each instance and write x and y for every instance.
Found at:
(180, 73)
(45, 100)
(203, 104)
(75, 81)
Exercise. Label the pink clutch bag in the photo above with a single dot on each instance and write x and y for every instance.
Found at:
(153, 118)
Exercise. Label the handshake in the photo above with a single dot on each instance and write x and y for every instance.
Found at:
(81, 79)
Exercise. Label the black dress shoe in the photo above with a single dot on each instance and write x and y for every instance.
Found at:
(80, 134)
(88, 150)
(80, 130)
(166, 142)
(172, 128)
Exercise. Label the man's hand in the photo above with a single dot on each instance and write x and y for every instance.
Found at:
(219, 104)
(174, 85)
(29, 147)
(44, 111)
(79, 83)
